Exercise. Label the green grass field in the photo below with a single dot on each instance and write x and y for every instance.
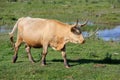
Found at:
(97, 11)
(94, 60)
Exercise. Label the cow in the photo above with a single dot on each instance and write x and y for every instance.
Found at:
(42, 33)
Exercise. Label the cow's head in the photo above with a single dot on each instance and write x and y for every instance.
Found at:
(76, 33)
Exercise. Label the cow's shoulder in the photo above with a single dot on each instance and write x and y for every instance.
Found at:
(57, 43)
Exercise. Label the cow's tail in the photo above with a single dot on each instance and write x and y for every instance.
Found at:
(13, 30)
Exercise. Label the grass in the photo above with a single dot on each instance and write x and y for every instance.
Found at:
(94, 60)
(66, 11)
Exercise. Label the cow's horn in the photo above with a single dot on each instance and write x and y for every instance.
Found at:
(76, 23)
(81, 25)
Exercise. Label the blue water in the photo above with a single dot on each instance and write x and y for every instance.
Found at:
(109, 34)
(4, 29)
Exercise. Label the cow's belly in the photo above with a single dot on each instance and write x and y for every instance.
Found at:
(36, 46)
(33, 42)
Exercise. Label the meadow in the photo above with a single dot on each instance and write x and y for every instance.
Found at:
(96, 11)
(94, 60)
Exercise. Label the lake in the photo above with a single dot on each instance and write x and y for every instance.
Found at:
(107, 34)
(110, 34)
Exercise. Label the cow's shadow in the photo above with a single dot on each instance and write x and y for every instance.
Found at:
(106, 60)
(85, 61)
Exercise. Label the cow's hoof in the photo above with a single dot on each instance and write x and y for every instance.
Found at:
(32, 61)
(14, 59)
(67, 66)
(43, 64)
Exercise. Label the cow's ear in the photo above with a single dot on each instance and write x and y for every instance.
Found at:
(76, 30)
(73, 29)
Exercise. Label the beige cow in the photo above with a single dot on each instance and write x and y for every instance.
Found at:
(41, 33)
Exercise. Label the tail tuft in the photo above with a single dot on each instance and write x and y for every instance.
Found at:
(11, 37)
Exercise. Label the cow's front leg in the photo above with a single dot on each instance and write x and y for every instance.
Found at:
(44, 53)
(64, 58)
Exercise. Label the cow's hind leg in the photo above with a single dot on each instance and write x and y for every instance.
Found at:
(16, 48)
(64, 58)
(28, 50)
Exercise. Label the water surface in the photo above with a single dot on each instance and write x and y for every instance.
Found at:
(4, 29)
(109, 34)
